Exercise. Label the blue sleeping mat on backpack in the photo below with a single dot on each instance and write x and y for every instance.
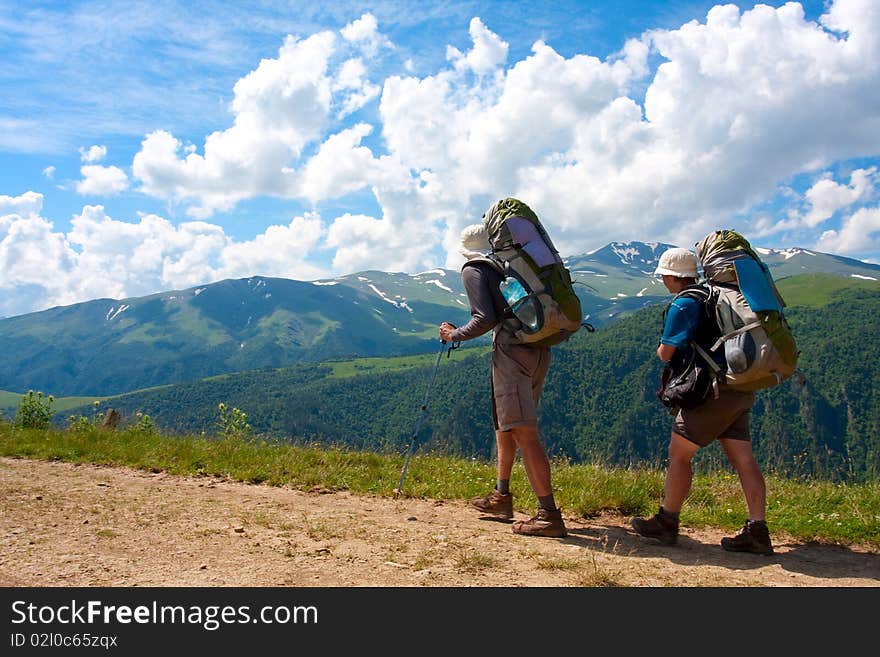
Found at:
(756, 285)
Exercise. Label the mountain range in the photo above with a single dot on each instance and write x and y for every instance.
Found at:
(598, 404)
(110, 346)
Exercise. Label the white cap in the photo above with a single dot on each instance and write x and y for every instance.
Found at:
(474, 241)
(678, 262)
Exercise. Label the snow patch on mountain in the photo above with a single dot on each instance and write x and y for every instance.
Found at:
(114, 312)
(785, 253)
(387, 299)
(625, 252)
(434, 281)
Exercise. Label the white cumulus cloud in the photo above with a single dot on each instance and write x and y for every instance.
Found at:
(27, 204)
(279, 108)
(101, 181)
(489, 51)
(826, 197)
(400, 240)
(93, 154)
(341, 165)
(365, 32)
(681, 131)
(279, 251)
(103, 257)
(858, 235)
(741, 102)
(352, 77)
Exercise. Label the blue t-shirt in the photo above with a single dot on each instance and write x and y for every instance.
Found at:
(682, 320)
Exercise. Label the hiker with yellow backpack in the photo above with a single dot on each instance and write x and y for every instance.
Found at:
(722, 340)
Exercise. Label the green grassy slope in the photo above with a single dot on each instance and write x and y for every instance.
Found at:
(816, 290)
(810, 511)
(598, 403)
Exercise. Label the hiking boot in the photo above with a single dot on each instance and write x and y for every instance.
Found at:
(495, 504)
(544, 523)
(662, 526)
(754, 538)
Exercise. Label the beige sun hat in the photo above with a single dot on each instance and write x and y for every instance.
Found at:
(678, 262)
(474, 241)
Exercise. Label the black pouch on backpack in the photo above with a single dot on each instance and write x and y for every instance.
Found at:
(685, 386)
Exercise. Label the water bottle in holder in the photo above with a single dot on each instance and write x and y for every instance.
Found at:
(523, 305)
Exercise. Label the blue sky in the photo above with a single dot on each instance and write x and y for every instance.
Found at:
(155, 146)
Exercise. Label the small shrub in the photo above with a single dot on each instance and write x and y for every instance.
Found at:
(233, 423)
(34, 411)
(78, 424)
(144, 424)
(82, 424)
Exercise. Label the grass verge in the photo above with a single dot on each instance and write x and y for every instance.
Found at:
(807, 510)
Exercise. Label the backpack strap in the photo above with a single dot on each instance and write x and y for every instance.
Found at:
(713, 366)
(490, 260)
(498, 265)
(733, 334)
(697, 292)
(702, 294)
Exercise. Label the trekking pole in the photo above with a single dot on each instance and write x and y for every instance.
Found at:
(412, 440)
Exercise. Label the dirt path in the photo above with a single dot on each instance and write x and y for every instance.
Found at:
(82, 525)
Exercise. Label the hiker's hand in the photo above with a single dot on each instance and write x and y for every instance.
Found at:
(665, 352)
(446, 330)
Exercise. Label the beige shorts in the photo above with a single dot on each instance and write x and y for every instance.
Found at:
(518, 373)
(725, 417)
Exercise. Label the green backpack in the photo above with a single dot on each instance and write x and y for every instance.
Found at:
(536, 285)
(759, 348)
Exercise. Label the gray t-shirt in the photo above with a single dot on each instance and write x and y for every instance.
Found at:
(481, 282)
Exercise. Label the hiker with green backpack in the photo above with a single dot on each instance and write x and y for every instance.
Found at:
(722, 340)
(519, 289)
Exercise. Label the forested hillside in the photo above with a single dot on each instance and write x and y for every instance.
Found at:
(599, 402)
(111, 346)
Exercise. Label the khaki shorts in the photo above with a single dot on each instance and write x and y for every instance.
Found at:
(725, 417)
(518, 373)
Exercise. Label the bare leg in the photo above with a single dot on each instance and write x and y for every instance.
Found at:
(679, 474)
(534, 458)
(506, 453)
(740, 454)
